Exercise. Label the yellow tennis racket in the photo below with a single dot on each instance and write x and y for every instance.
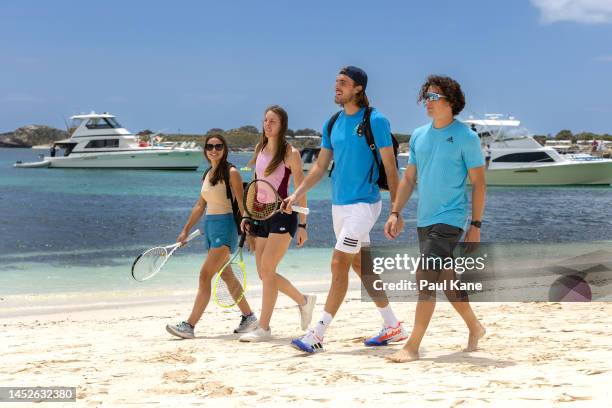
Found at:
(230, 281)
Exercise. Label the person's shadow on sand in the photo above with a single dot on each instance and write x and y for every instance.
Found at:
(452, 358)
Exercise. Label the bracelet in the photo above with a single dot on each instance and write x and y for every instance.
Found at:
(397, 214)
(302, 225)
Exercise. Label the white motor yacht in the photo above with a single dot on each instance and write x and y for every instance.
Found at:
(516, 158)
(99, 141)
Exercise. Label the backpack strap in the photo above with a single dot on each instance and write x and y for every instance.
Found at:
(331, 122)
(235, 208)
(330, 125)
(369, 137)
(228, 187)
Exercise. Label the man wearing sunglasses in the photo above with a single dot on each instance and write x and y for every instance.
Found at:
(443, 154)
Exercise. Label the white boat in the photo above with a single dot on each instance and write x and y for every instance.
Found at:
(516, 158)
(31, 165)
(99, 141)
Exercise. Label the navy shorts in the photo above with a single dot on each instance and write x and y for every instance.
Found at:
(280, 223)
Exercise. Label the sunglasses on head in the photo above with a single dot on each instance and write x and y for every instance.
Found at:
(432, 97)
(218, 146)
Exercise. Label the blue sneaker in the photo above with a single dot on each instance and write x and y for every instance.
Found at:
(309, 343)
(388, 335)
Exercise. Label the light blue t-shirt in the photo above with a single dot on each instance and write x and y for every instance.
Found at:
(442, 158)
(353, 159)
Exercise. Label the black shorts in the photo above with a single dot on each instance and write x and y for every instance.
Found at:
(438, 240)
(280, 223)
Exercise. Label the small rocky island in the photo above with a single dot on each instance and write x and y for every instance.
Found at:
(31, 135)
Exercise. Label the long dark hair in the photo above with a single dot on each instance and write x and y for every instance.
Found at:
(361, 99)
(222, 170)
(281, 149)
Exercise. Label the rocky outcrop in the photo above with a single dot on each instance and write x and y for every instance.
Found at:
(31, 135)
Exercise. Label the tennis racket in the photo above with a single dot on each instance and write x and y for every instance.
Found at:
(230, 281)
(147, 264)
(262, 201)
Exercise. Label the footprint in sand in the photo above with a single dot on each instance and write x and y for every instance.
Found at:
(177, 356)
(179, 376)
(564, 397)
(339, 376)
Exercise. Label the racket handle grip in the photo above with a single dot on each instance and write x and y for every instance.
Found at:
(194, 234)
(301, 210)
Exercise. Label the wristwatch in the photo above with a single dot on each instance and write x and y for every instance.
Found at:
(302, 225)
(477, 224)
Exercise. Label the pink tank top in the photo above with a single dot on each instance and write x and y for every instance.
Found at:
(279, 177)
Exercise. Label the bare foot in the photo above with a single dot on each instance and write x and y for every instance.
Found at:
(474, 337)
(403, 356)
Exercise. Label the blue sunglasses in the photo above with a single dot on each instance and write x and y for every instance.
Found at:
(432, 97)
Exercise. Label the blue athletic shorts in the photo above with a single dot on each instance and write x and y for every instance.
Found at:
(219, 230)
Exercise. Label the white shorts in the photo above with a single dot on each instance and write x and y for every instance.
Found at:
(352, 225)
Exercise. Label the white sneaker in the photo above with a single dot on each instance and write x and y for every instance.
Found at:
(257, 335)
(306, 311)
(309, 343)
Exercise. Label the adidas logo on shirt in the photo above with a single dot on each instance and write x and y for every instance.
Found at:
(450, 139)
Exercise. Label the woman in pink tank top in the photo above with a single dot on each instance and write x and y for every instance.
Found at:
(275, 161)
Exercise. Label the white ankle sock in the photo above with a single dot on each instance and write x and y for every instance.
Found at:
(388, 316)
(322, 325)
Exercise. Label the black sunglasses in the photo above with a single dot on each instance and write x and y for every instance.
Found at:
(218, 146)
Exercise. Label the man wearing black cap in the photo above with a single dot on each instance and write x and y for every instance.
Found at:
(356, 201)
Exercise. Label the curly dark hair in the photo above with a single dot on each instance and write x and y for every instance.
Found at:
(449, 88)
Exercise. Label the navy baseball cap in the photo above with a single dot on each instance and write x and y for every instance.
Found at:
(356, 74)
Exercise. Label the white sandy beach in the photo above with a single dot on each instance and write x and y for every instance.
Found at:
(119, 354)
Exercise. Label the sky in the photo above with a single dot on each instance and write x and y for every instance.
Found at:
(195, 65)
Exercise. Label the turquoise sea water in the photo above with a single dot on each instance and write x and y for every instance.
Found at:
(79, 230)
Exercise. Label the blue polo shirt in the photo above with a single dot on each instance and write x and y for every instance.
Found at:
(442, 158)
(353, 159)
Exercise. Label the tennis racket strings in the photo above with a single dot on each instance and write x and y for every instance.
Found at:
(149, 263)
(231, 281)
(261, 200)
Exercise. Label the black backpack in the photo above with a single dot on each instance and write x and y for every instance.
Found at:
(228, 189)
(369, 138)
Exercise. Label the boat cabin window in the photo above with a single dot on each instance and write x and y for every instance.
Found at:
(526, 157)
(97, 144)
(102, 123)
(64, 149)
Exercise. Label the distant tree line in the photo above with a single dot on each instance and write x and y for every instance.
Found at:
(568, 135)
(253, 129)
